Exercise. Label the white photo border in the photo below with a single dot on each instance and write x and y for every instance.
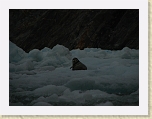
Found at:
(142, 109)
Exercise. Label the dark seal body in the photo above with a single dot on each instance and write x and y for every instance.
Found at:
(77, 65)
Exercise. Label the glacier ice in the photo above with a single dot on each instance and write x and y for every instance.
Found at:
(44, 78)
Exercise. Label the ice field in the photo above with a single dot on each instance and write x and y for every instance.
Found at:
(44, 78)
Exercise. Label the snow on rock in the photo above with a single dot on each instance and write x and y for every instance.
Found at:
(44, 78)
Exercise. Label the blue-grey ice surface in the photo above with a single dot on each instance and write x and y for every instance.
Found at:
(44, 78)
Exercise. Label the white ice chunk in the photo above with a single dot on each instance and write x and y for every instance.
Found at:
(15, 53)
(46, 68)
(36, 55)
(61, 51)
(12, 67)
(49, 90)
(105, 104)
(42, 104)
(25, 66)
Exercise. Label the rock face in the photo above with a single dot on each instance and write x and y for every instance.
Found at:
(105, 29)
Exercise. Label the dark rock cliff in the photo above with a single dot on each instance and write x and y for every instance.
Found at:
(105, 29)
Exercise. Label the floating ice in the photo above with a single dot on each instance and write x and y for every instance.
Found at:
(42, 104)
(15, 53)
(44, 78)
(36, 55)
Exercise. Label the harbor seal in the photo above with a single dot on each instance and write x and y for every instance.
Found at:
(77, 65)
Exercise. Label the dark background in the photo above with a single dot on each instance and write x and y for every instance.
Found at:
(111, 29)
